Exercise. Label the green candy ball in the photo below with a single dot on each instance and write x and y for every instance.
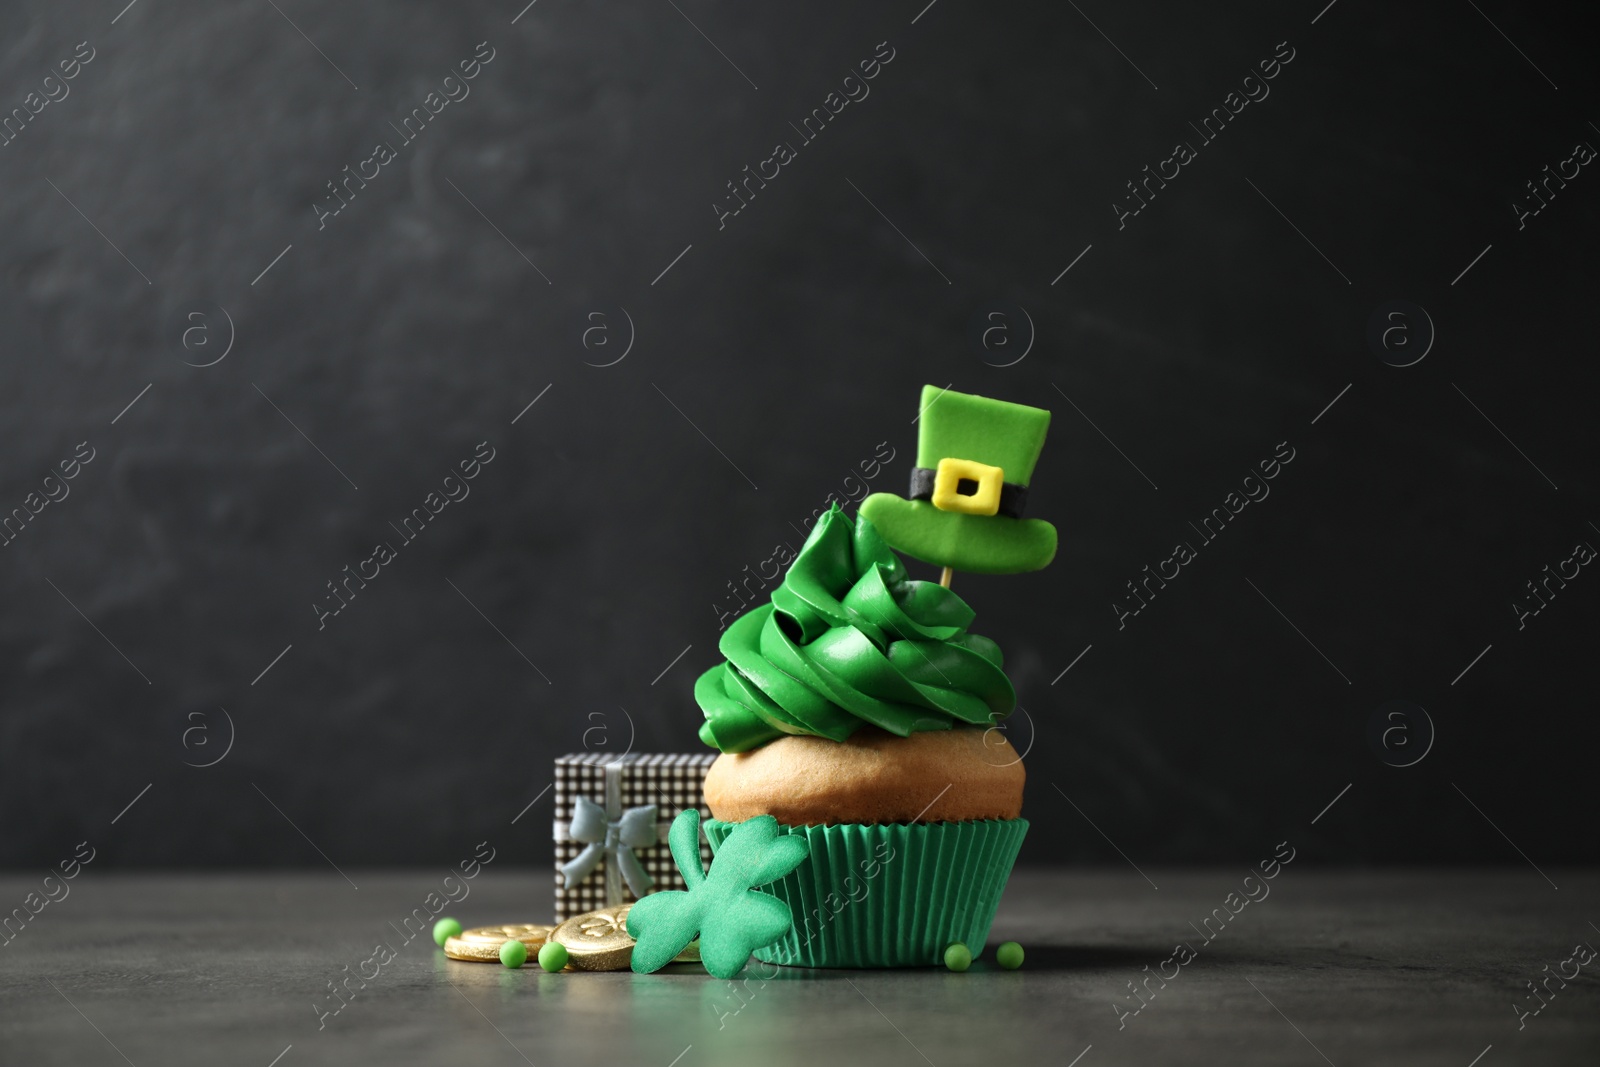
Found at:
(513, 953)
(553, 956)
(1009, 955)
(444, 930)
(958, 957)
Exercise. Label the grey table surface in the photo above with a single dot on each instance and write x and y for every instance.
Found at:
(1412, 967)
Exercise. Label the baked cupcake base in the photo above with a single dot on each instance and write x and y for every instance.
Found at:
(890, 895)
(958, 775)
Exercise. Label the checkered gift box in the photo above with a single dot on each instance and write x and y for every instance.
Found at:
(617, 787)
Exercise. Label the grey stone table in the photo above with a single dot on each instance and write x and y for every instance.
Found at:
(1336, 967)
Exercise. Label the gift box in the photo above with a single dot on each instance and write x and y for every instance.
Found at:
(611, 820)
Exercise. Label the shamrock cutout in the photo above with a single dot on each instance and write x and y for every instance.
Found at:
(720, 906)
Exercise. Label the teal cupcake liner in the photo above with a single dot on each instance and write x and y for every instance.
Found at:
(891, 895)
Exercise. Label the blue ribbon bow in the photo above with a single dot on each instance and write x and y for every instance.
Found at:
(612, 840)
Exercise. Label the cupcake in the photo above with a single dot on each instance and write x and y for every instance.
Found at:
(858, 710)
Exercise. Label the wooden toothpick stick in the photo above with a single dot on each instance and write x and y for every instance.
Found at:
(944, 578)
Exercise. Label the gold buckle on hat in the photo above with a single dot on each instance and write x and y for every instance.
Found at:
(947, 494)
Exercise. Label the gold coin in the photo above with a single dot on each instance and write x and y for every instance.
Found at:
(482, 944)
(597, 940)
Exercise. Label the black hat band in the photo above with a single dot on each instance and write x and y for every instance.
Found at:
(1013, 498)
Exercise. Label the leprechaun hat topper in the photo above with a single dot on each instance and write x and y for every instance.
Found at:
(975, 458)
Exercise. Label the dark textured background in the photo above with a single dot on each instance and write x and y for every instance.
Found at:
(796, 339)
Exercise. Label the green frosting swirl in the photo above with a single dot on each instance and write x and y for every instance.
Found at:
(847, 639)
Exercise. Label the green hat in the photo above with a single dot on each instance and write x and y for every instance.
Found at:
(975, 457)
